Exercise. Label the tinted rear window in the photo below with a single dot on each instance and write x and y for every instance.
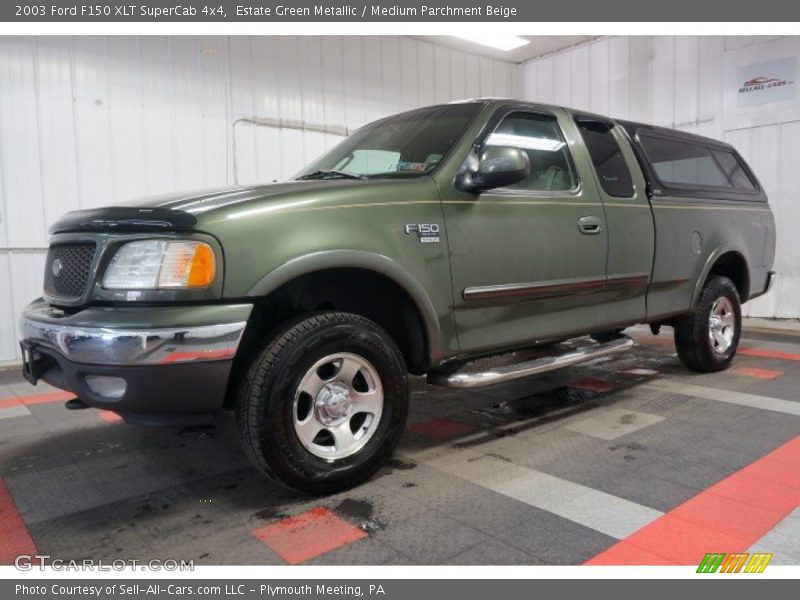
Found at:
(683, 163)
(613, 172)
(734, 170)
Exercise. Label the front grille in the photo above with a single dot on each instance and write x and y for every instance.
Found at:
(68, 277)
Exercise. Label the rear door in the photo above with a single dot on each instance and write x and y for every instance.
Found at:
(629, 221)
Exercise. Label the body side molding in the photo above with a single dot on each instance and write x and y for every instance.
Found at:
(561, 287)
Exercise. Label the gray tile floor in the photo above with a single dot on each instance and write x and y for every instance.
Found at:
(87, 488)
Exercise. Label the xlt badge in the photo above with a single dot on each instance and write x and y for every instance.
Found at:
(428, 233)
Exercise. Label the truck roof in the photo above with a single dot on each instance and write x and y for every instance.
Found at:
(631, 127)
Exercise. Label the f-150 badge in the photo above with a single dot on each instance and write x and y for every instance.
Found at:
(428, 233)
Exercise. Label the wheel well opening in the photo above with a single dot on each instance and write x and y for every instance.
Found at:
(358, 291)
(733, 266)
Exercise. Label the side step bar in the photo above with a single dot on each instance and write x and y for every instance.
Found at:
(465, 378)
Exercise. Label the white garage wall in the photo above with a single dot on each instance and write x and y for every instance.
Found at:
(676, 81)
(91, 121)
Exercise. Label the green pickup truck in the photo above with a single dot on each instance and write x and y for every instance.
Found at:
(433, 242)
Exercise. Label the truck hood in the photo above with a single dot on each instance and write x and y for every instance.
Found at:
(180, 212)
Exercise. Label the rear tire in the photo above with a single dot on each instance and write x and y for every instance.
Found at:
(707, 338)
(324, 404)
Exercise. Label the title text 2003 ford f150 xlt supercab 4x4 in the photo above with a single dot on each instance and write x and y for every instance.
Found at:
(421, 243)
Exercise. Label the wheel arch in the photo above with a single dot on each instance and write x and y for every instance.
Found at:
(731, 263)
(376, 265)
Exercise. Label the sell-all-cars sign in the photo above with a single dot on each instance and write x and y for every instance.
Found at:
(771, 81)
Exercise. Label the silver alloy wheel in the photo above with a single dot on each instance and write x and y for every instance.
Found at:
(338, 406)
(721, 325)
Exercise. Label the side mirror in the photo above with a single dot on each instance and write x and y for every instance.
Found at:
(498, 166)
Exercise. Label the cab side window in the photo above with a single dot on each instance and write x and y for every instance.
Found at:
(609, 163)
(540, 138)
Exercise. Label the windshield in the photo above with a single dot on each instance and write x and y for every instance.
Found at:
(406, 145)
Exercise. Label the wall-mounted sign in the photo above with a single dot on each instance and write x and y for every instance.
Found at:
(771, 81)
(760, 84)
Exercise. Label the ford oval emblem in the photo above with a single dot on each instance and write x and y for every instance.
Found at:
(57, 267)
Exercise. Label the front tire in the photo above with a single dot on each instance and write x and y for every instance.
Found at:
(707, 338)
(324, 404)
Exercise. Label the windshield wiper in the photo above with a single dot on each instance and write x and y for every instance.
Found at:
(322, 173)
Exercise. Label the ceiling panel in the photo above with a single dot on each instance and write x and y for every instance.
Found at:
(539, 45)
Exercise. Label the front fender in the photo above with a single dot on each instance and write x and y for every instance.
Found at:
(358, 259)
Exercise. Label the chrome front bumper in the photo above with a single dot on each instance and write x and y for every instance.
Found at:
(106, 344)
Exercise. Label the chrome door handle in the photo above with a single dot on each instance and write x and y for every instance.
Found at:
(590, 225)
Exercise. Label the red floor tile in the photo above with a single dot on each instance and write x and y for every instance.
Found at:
(757, 492)
(442, 429)
(729, 516)
(35, 399)
(684, 542)
(757, 373)
(317, 531)
(109, 416)
(626, 554)
(775, 471)
(788, 453)
(595, 385)
(14, 536)
(765, 353)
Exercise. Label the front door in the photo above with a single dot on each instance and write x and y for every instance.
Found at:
(527, 259)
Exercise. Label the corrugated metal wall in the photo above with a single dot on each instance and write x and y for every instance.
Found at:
(676, 81)
(90, 121)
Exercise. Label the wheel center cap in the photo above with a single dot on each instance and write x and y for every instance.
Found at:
(332, 404)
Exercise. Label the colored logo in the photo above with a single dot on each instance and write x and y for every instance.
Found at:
(760, 83)
(742, 562)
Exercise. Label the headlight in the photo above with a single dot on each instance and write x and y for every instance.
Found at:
(153, 264)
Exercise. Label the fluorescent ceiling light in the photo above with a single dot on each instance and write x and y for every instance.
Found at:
(500, 41)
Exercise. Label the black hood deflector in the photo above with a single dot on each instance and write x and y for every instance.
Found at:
(125, 219)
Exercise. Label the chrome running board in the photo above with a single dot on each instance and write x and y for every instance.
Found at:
(467, 376)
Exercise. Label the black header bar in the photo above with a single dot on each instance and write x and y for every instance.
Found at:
(400, 10)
